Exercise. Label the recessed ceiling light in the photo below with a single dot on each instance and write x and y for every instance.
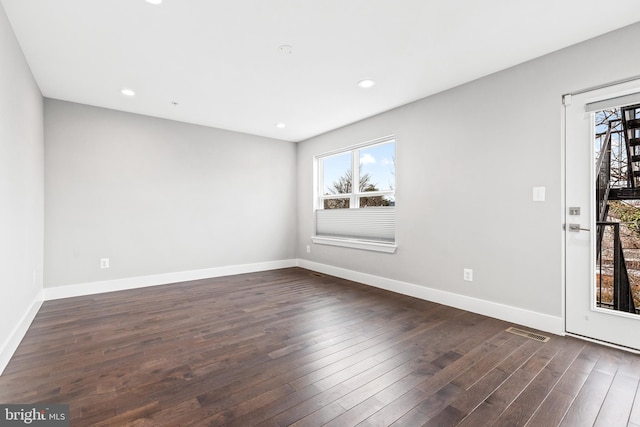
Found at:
(367, 83)
(285, 49)
(154, 1)
(127, 92)
(281, 125)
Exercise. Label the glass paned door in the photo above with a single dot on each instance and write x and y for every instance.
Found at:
(601, 187)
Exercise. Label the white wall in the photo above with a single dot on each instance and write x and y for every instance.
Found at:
(157, 196)
(467, 160)
(21, 192)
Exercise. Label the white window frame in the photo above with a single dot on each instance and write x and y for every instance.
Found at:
(386, 214)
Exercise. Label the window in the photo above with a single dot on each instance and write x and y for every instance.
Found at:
(355, 196)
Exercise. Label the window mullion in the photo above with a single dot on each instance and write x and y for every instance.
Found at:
(355, 179)
(320, 184)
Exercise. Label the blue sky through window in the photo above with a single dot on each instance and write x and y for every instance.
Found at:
(378, 162)
(334, 167)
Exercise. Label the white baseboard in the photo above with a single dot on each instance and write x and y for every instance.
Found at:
(19, 331)
(160, 279)
(532, 319)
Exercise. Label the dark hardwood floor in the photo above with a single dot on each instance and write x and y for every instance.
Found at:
(287, 347)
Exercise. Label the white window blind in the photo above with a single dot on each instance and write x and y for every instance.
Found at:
(372, 224)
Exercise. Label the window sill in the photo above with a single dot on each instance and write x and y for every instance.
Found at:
(356, 244)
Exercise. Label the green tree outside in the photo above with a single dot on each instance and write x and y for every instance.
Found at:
(343, 186)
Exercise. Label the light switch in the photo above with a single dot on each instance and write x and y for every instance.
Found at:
(538, 194)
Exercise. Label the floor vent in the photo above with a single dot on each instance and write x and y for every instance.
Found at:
(316, 274)
(528, 334)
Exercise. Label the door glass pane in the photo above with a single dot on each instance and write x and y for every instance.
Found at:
(617, 168)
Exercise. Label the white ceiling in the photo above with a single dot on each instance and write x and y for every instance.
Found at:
(221, 62)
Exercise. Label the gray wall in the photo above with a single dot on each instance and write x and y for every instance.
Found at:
(157, 196)
(21, 184)
(467, 160)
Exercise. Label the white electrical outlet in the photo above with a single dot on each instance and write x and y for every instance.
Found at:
(467, 275)
(104, 262)
(308, 249)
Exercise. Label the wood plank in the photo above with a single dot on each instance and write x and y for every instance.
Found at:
(523, 407)
(618, 403)
(432, 407)
(556, 404)
(498, 402)
(634, 417)
(489, 383)
(585, 407)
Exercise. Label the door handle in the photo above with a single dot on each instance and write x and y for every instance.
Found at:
(576, 228)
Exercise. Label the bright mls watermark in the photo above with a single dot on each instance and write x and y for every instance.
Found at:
(34, 415)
